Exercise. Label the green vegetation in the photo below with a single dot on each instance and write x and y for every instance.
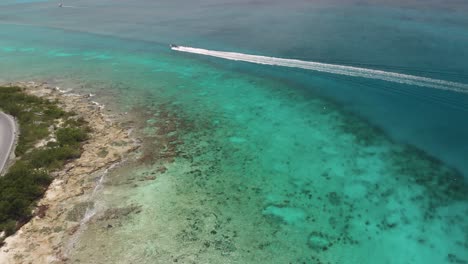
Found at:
(33, 114)
(28, 178)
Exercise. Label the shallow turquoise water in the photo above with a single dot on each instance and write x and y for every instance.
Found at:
(265, 164)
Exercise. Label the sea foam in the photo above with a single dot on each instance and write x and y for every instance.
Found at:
(332, 68)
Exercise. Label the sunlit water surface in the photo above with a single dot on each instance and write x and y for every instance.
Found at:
(248, 163)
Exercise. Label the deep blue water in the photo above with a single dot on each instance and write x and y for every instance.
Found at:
(418, 38)
(121, 48)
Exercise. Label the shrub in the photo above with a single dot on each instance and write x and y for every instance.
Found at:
(70, 136)
(28, 178)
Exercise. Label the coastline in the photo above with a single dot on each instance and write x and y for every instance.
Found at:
(54, 240)
(44, 238)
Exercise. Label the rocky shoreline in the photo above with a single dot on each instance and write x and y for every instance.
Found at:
(57, 219)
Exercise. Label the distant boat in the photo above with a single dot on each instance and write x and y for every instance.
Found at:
(174, 46)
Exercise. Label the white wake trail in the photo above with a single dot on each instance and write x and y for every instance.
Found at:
(332, 68)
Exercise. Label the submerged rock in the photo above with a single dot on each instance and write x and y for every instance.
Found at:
(78, 211)
(391, 220)
(115, 213)
(334, 198)
(225, 246)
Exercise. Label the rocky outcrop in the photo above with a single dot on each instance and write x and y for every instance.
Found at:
(42, 239)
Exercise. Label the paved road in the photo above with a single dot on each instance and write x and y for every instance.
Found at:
(7, 138)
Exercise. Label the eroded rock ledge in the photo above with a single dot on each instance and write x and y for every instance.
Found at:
(44, 238)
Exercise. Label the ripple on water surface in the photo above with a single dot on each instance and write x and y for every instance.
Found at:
(256, 173)
(237, 169)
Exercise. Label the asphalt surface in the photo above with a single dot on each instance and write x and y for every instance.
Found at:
(7, 138)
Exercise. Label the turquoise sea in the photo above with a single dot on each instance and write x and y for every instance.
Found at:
(260, 163)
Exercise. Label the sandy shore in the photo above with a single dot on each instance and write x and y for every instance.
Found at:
(62, 210)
